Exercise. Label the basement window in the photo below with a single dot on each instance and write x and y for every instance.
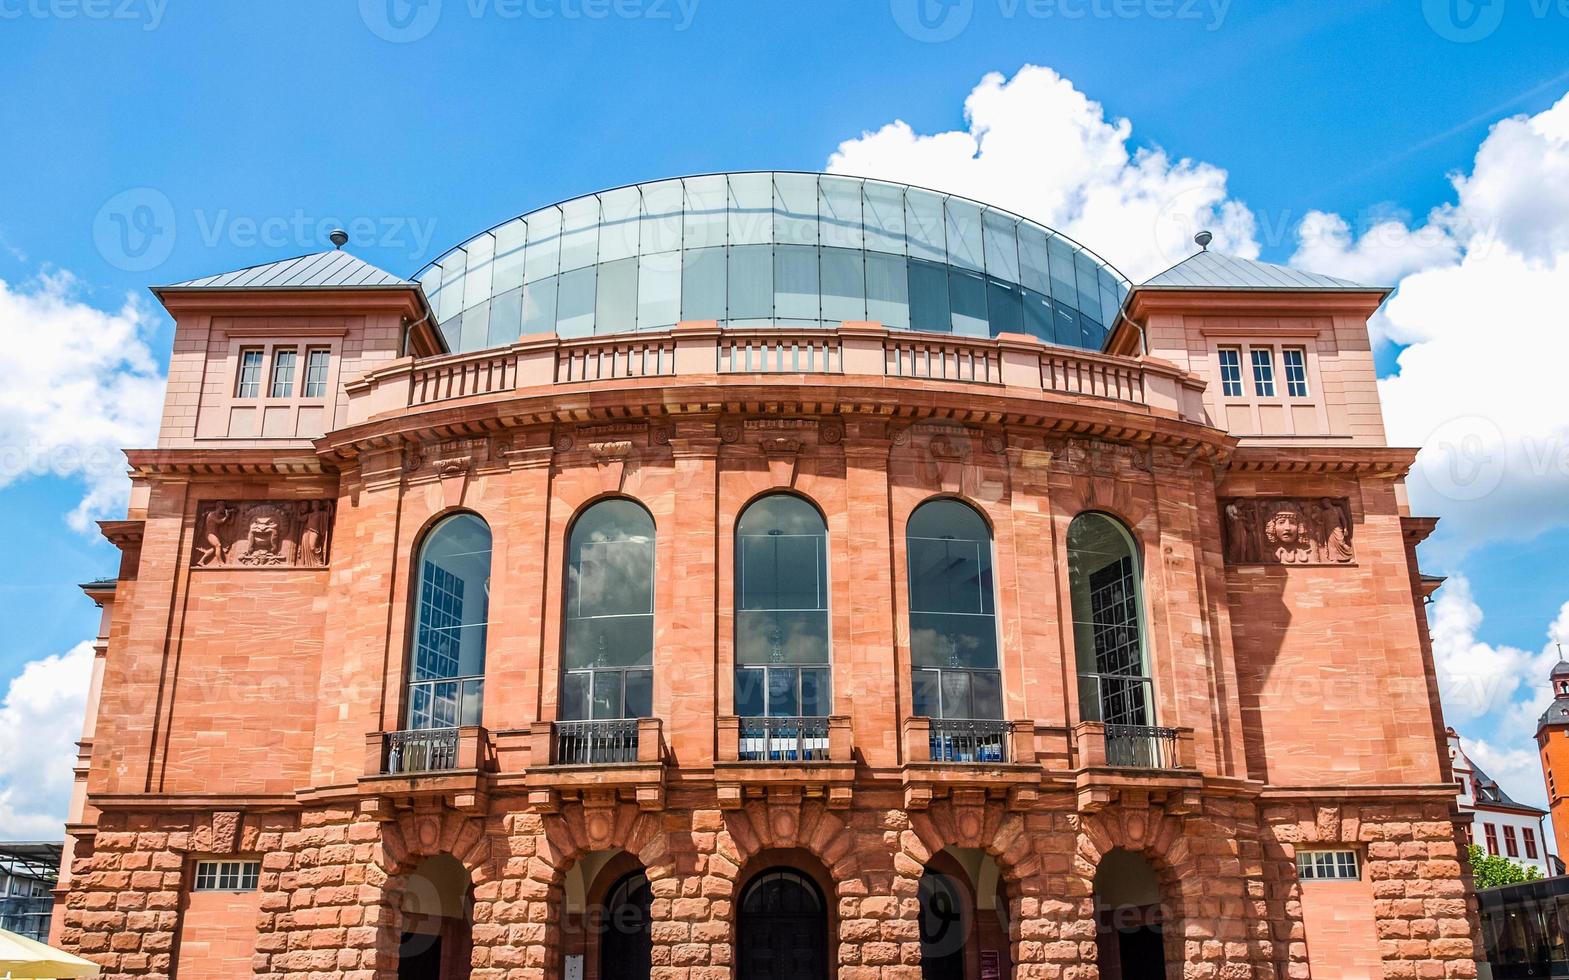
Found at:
(227, 876)
(1328, 866)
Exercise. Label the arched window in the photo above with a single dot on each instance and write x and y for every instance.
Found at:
(953, 613)
(1108, 632)
(608, 654)
(782, 928)
(447, 668)
(781, 610)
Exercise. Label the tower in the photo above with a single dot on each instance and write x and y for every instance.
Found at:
(1552, 740)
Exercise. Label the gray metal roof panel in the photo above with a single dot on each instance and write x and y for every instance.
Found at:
(319, 270)
(1215, 270)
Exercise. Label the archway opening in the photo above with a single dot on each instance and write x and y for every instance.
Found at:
(1129, 920)
(606, 899)
(964, 922)
(782, 927)
(436, 940)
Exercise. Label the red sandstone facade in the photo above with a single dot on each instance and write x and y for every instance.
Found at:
(243, 703)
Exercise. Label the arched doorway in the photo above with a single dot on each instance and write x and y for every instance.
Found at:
(1130, 937)
(964, 917)
(625, 948)
(944, 927)
(783, 928)
(436, 937)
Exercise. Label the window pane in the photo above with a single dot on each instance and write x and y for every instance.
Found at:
(795, 283)
(750, 686)
(927, 694)
(1002, 246)
(452, 269)
(783, 698)
(964, 234)
(620, 211)
(929, 297)
(703, 284)
(1263, 371)
(1296, 371)
(1004, 308)
(639, 694)
(610, 587)
(574, 695)
(475, 329)
(751, 285)
(661, 225)
(1067, 320)
(476, 280)
(316, 373)
(616, 297)
(283, 373)
(579, 233)
(816, 699)
(506, 318)
(542, 254)
(781, 583)
(923, 226)
(888, 290)
(795, 209)
(507, 271)
(1063, 288)
(575, 303)
(956, 694)
(539, 306)
(1038, 316)
(248, 385)
(659, 291)
(952, 611)
(1231, 372)
(454, 600)
(1108, 622)
(705, 212)
(967, 293)
(607, 694)
(1087, 272)
(843, 284)
(839, 212)
(1032, 259)
(751, 209)
(882, 210)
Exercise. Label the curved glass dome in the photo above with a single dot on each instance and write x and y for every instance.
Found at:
(771, 249)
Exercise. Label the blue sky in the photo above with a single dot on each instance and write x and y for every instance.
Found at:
(287, 117)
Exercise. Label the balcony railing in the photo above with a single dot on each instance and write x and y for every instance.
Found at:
(27, 917)
(784, 740)
(970, 740)
(427, 750)
(591, 743)
(1141, 747)
(704, 349)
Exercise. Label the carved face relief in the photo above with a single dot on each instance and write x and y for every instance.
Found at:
(1285, 529)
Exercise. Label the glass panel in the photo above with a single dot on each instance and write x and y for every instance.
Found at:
(473, 700)
(658, 291)
(476, 281)
(964, 234)
(888, 290)
(1002, 246)
(750, 686)
(248, 384)
(506, 318)
(839, 212)
(1110, 297)
(476, 327)
(705, 212)
(1067, 318)
(929, 297)
(751, 209)
(283, 362)
(986, 694)
(639, 694)
(843, 284)
(1038, 316)
(452, 269)
(316, 373)
(616, 297)
(927, 691)
(661, 225)
(816, 700)
(795, 282)
(1107, 622)
(751, 285)
(610, 587)
(1004, 307)
(923, 225)
(1032, 259)
(703, 284)
(574, 695)
(1063, 289)
(956, 694)
(579, 233)
(452, 609)
(952, 613)
(1087, 273)
(781, 583)
(783, 698)
(795, 209)
(618, 229)
(882, 211)
(575, 303)
(607, 694)
(539, 306)
(542, 254)
(967, 293)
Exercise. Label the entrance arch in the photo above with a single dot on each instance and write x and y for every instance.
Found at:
(782, 927)
(1130, 922)
(436, 937)
(964, 926)
(625, 945)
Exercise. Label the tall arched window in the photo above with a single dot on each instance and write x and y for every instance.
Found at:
(447, 667)
(953, 613)
(1108, 632)
(608, 654)
(781, 610)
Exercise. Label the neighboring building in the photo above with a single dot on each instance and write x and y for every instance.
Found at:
(1552, 741)
(768, 575)
(1499, 825)
(1523, 929)
(27, 879)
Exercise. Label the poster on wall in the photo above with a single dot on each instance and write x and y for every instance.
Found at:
(991, 965)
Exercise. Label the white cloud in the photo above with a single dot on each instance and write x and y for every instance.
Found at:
(1383, 255)
(78, 384)
(40, 723)
(1036, 145)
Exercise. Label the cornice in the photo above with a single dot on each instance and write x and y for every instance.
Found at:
(1385, 462)
(197, 463)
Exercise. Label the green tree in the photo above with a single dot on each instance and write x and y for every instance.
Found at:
(1493, 870)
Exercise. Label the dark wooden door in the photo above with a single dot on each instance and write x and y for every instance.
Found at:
(419, 957)
(625, 949)
(783, 929)
(1143, 954)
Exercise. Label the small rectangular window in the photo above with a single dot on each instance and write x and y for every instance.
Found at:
(1530, 843)
(1263, 371)
(1328, 866)
(1511, 842)
(1295, 361)
(1491, 833)
(1231, 372)
(316, 373)
(227, 876)
(283, 373)
(249, 383)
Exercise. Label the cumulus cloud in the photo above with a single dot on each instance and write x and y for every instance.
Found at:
(40, 722)
(80, 384)
(1036, 145)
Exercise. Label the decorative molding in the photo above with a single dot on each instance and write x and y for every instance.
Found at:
(262, 534)
(1287, 531)
(1097, 457)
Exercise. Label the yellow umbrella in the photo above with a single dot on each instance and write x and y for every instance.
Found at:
(22, 957)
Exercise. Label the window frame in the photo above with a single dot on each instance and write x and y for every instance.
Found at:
(1296, 375)
(469, 688)
(1230, 374)
(1529, 835)
(591, 675)
(309, 379)
(1262, 370)
(1490, 833)
(1511, 841)
(232, 875)
(969, 670)
(1321, 864)
(281, 378)
(244, 366)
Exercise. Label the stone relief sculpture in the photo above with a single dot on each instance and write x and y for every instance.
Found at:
(1287, 531)
(262, 534)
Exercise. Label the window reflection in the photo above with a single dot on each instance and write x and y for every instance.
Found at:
(608, 649)
(953, 621)
(1103, 576)
(452, 609)
(781, 589)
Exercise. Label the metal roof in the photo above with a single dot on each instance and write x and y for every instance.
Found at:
(1213, 270)
(34, 859)
(1489, 793)
(335, 269)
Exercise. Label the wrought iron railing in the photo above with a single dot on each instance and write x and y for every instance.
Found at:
(426, 750)
(969, 740)
(27, 916)
(1141, 747)
(784, 739)
(590, 743)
